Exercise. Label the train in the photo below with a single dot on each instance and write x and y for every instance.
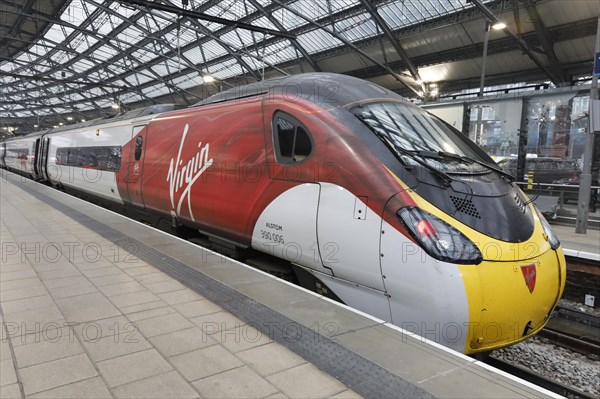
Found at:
(363, 196)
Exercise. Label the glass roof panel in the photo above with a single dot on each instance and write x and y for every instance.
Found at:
(57, 33)
(318, 40)
(356, 28)
(288, 19)
(227, 69)
(140, 66)
(280, 52)
(231, 9)
(75, 13)
(212, 49)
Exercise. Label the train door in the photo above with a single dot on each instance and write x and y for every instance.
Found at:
(135, 165)
(42, 160)
(2, 153)
(287, 228)
(36, 157)
(349, 235)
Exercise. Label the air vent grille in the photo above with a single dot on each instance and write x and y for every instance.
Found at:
(465, 206)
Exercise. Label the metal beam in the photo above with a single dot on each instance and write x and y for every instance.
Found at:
(294, 41)
(390, 36)
(206, 17)
(60, 81)
(542, 34)
(350, 44)
(522, 45)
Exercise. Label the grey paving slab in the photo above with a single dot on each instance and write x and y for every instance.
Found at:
(142, 270)
(111, 279)
(72, 290)
(11, 391)
(348, 394)
(66, 282)
(150, 278)
(306, 381)
(143, 307)
(241, 338)
(215, 322)
(238, 383)
(66, 271)
(197, 308)
(180, 296)
(121, 288)
(163, 324)
(17, 267)
(270, 359)
(17, 275)
(8, 375)
(92, 388)
(20, 305)
(133, 367)
(92, 313)
(84, 264)
(5, 352)
(106, 327)
(182, 341)
(133, 298)
(83, 301)
(148, 314)
(205, 362)
(51, 266)
(52, 332)
(49, 347)
(102, 271)
(30, 319)
(165, 286)
(42, 377)
(168, 385)
(21, 283)
(116, 345)
(278, 395)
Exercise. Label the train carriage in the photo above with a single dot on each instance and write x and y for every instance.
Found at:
(369, 199)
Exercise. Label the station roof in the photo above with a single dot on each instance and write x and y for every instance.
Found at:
(66, 60)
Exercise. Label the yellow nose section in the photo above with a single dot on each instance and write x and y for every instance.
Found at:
(510, 301)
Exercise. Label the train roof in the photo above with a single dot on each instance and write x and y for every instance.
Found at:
(318, 87)
(136, 113)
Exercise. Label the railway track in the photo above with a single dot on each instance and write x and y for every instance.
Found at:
(538, 379)
(574, 330)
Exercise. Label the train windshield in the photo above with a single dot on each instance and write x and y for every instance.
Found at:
(418, 137)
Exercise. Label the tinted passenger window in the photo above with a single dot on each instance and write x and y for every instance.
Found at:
(293, 143)
(138, 148)
(101, 158)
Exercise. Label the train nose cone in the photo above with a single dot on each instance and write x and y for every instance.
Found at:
(515, 299)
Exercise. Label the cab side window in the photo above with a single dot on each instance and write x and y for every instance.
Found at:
(291, 139)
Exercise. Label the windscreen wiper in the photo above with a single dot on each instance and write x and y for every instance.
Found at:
(395, 149)
(471, 160)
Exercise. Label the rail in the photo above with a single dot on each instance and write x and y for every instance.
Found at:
(538, 379)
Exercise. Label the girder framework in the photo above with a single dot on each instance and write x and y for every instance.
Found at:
(81, 56)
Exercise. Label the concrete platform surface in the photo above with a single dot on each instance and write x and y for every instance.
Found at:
(94, 305)
(586, 246)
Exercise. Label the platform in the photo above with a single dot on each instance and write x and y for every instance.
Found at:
(584, 246)
(96, 305)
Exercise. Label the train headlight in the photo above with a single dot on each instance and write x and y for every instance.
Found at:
(552, 238)
(438, 238)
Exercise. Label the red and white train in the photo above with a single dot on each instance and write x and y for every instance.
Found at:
(372, 200)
